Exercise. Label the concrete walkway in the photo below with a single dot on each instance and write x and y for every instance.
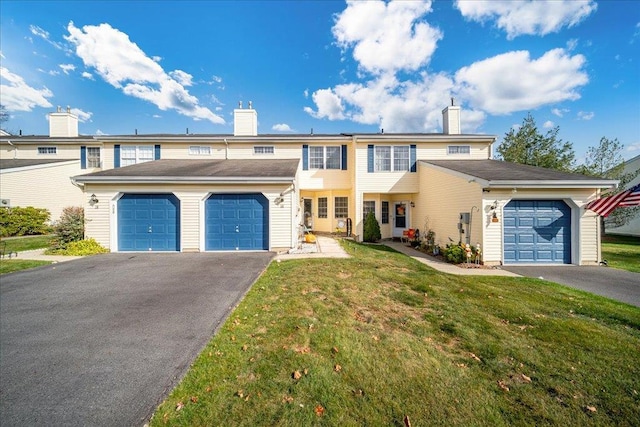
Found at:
(38, 255)
(326, 247)
(446, 267)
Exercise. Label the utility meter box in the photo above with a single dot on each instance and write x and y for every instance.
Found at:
(464, 217)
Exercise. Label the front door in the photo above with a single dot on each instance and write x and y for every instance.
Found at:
(400, 218)
(308, 213)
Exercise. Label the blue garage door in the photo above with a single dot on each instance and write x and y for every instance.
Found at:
(148, 222)
(537, 231)
(236, 222)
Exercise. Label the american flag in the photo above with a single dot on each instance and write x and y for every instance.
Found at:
(605, 205)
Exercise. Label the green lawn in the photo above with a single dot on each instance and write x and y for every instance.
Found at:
(27, 243)
(14, 264)
(379, 337)
(622, 252)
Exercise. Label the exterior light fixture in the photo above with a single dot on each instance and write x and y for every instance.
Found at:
(413, 205)
(494, 217)
(93, 200)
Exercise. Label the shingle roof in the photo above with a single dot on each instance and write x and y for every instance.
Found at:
(200, 169)
(497, 170)
(20, 163)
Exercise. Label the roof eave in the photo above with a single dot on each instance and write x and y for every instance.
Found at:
(596, 183)
(179, 180)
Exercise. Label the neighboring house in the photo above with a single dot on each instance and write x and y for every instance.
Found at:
(251, 192)
(632, 228)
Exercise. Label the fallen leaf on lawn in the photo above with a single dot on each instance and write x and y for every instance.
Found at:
(233, 338)
(210, 354)
(337, 368)
(296, 375)
(526, 378)
(461, 365)
(208, 389)
(306, 372)
(334, 349)
(502, 385)
(407, 421)
(179, 406)
(591, 409)
(253, 359)
(302, 350)
(474, 357)
(194, 399)
(240, 394)
(245, 347)
(287, 399)
(358, 392)
(165, 417)
(319, 410)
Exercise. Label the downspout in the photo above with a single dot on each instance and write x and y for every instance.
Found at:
(226, 149)
(15, 149)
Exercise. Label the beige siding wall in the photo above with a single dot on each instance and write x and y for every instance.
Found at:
(45, 186)
(585, 246)
(102, 218)
(67, 152)
(441, 200)
(439, 151)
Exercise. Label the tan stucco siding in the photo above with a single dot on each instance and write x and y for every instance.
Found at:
(102, 218)
(46, 186)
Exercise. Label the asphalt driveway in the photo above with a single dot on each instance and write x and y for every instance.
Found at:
(100, 341)
(620, 285)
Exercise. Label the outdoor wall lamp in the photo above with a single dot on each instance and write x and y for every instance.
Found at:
(93, 200)
(494, 217)
(413, 205)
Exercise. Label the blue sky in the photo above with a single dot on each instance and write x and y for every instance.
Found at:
(163, 67)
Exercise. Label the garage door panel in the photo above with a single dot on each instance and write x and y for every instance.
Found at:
(237, 222)
(148, 222)
(537, 231)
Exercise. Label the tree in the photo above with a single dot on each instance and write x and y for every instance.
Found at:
(529, 147)
(371, 228)
(606, 161)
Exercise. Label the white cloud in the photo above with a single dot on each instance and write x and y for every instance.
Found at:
(559, 112)
(532, 17)
(156, 116)
(52, 72)
(586, 115)
(548, 124)
(306, 93)
(328, 103)
(17, 95)
(513, 82)
(43, 34)
(282, 127)
(87, 75)
(634, 147)
(83, 116)
(185, 79)
(122, 64)
(67, 67)
(387, 36)
(99, 132)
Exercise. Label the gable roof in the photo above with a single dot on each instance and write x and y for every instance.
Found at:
(194, 171)
(497, 173)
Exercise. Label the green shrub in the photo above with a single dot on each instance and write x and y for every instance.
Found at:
(454, 254)
(69, 228)
(371, 228)
(24, 221)
(80, 248)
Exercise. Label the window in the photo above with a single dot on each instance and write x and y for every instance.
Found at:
(93, 157)
(325, 157)
(48, 150)
(383, 159)
(458, 149)
(396, 158)
(368, 206)
(316, 157)
(385, 212)
(132, 154)
(263, 149)
(322, 207)
(201, 150)
(341, 207)
(401, 158)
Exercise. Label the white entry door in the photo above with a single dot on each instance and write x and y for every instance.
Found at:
(400, 218)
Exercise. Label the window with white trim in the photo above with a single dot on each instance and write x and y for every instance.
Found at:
(49, 149)
(321, 157)
(459, 149)
(93, 157)
(199, 150)
(392, 158)
(368, 206)
(322, 207)
(133, 154)
(263, 149)
(385, 212)
(341, 207)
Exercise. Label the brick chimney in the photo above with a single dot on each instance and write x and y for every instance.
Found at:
(245, 121)
(451, 119)
(63, 124)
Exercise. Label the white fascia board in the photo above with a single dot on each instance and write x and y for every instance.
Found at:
(179, 180)
(425, 138)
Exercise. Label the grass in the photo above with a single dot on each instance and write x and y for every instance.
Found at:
(12, 265)
(27, 243)
(379, 337)
(622, 252)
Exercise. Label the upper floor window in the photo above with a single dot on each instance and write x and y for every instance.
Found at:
(133, 154)
(392, 158)
(263, 149)
(458, 149)
(321, 157)
(49, 149)
(93, 157)
(199, 150)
